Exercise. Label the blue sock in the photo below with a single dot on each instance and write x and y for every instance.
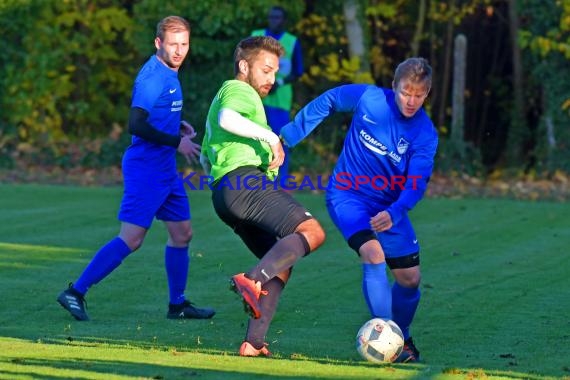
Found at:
(404, 304)
(176, 261)
(110, 256)
(376, 289)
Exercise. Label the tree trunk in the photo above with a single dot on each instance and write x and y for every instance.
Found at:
(419, 29)
(354, 33)
(518, 130)
(458, 94)
(434, 62)
(446, 69)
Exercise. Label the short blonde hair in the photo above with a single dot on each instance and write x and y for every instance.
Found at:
(415, 70)
(172, 24)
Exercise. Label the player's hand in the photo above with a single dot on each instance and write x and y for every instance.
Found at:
(278, 155)
(186, 129)
(381, 221)
(189, 149)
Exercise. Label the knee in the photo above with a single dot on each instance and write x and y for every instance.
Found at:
(133, 242)
(318, 237)
(372, 257)
(412, 283)
(132, 235)
(370, 251)
(409, 279)
(186, 237)
(313, 233)
(181, 238)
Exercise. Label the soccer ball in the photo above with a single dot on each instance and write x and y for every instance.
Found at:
(380, 340)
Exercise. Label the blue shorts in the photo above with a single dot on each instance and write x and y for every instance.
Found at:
(352, 215)
(148, 195)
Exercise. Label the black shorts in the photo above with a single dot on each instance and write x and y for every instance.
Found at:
(259, 212)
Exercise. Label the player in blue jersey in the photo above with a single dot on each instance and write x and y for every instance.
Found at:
(152, 187)
(381, 174)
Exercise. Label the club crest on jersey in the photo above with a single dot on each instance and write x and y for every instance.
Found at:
(402, 146)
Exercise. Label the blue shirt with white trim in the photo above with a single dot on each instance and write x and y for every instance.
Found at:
(386, 158)
(157, 90)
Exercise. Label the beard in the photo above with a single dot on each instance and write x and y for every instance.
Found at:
(261, 90)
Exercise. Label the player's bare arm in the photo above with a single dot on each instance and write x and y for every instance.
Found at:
(235, 123)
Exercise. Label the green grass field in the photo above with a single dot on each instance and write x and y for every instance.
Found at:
(496, 301)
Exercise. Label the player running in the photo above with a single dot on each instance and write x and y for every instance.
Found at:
(381, 174)
(243, 155)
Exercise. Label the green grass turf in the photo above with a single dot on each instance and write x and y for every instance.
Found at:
(496, 282)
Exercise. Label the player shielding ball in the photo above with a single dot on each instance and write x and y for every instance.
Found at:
(392, 137)
(243, 156)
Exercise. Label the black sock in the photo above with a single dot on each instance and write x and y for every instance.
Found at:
(282, 256)
(257, 328)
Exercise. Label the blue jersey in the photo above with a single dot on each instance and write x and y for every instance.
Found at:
(157, 90)
(387, 158)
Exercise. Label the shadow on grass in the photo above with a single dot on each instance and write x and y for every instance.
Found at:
(78, 368)
(81, 368)
(227, 365)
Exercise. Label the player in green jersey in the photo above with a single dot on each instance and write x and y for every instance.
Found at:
(243, 155)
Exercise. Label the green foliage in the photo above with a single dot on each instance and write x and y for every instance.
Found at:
(325, 48)
(67, 68)
(450, 160)
(552, 37)
(444, 11)
(14, 16)
(546, 37)
(72, 80)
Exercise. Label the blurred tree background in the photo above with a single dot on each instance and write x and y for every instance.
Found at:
(67, 68)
